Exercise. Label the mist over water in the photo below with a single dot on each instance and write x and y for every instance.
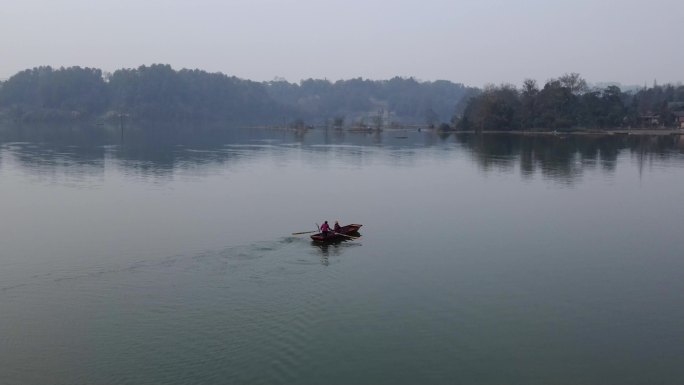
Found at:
(168, 258)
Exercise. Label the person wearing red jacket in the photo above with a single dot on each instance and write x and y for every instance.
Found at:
(325, 228)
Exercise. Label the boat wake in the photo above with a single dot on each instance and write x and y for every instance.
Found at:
(217, 261)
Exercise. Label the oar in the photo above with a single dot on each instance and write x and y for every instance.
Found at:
(304, 232)
(345, 235)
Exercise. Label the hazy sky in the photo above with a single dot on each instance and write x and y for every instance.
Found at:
(468, 41)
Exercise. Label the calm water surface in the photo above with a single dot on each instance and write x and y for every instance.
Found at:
(484, 260)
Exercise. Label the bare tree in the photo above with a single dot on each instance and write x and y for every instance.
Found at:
(574, 82)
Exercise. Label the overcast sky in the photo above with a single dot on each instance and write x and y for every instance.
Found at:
(469, 41)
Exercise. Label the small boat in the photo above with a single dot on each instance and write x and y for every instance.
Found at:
(345, 233)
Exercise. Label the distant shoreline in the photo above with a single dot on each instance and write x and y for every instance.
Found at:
(107, 125)
(578, 132)
(634, 131)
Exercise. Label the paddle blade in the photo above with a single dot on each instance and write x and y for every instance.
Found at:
(304, 232)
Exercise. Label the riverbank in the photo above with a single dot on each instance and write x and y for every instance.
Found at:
(639, 131)
(633, 131)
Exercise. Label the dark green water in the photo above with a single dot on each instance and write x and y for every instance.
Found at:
(484, 260)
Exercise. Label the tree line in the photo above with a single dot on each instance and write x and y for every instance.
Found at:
(372, 102)
(160, 93)
(154, 92)
(569, 103)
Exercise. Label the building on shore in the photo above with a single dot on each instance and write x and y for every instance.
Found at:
(649, 121)
(679, 119)
(677, 109)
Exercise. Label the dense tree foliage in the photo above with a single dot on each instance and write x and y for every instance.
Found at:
(404, 100)
(568, 103)
(159, 92)
(154, 92)
(55, 94)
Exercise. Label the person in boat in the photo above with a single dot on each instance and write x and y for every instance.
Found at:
(337, 227)
(325, 228)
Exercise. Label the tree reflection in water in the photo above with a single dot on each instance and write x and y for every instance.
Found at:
(159, 152)
(565, 157)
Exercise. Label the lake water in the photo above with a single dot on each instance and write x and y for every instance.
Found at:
(169, 259)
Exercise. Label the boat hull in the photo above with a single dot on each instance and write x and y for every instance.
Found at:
(345, 233)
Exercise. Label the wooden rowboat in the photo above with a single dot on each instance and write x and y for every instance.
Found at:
(345, 233)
